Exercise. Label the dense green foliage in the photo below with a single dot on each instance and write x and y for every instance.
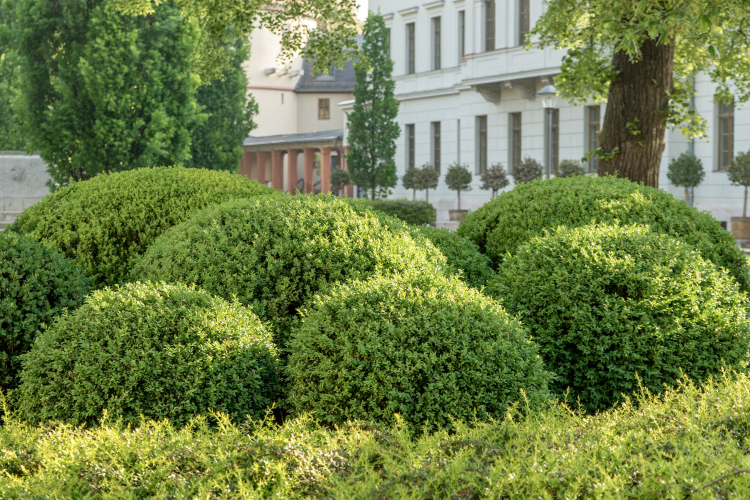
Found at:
(107, 221)
(161, 351)
(276, 253)
(494, 178)
(568, 168)
(11, 138)
(461, 254)
(686, 170)
(687, 441)
(339, 180)
(512, 219)
(372, 123)
(216, 143)
(528, 170)
(424, 346)
(36, 284)
(103, 91)
(608, 304)
(417, 213)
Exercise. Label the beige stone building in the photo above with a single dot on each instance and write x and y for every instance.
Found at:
(300, 125)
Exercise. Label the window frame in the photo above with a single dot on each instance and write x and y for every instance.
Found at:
(410, 146)
(489, 25)
(725, 128)
(436, 43)
(410, 48)
(436, 130)
(516, 137)
(324, 108)
(524, 16)
(593, 127)
(461, 34)
(482, 144)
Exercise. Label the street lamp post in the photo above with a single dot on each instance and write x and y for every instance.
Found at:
(549, 100)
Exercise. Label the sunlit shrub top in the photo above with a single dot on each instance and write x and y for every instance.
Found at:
(513, 218)
(105, 222)
(607, 302)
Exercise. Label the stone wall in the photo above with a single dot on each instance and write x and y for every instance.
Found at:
(23, 182)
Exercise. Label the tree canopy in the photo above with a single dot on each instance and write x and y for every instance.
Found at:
(640, 57)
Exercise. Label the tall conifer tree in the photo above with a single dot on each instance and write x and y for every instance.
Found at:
(372, 124)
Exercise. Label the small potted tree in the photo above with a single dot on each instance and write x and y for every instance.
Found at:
(494, 178)
(569, 168)
(686, 171)
(426, 178)
(408, 181)
(528, 170)
(458, 179)
(339, 179)
(739, 175)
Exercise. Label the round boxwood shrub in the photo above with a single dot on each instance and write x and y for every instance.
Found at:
(514, 217)
(157, 350)
(425, 346)
(607, 302)
(275, 253)
(36, 284)
(462, 254)
(105, 222)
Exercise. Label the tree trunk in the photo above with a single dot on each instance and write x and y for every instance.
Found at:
(744, 206)
(687, 196)
(427, 195)
(459, 199)
(413, 195)
(638, 92)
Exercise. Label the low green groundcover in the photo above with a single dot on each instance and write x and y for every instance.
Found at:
(688, 441)
(502, 225)
(425, 346)
(105, 222)
(276, 253)
(153, 350)
(462, 254)
(608, 304)
(36, 284)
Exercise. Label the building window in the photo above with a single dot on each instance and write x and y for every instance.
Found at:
(461, 34)
(489, 25)
(555, 139)
(593, 133)
(726, 134)
(410, 146)
(523, 21)
(436, 146)
(435, 43)
(515, 139)
(410, 48)
(388, 40)
(482, 143)
(324, 109)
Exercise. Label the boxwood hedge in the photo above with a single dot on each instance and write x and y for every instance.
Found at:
(461, 254)
(36, 284)
(425, 346)
(417, 213)
(275, 253)
(605, 303)
(516, 216)
(105, 222)
(157, 350)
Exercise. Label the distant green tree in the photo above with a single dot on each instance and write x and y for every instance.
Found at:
(528, 170)
(494, 178)
(103, 91)
(458, 179)
(426, 178)
(217, 142)
(738, 172)
(372, 124)
(11, 138)
(408, 181)
(569, 168)
(686, 171)
(339, 179)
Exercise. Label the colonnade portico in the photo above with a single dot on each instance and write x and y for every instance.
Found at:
(258, 150)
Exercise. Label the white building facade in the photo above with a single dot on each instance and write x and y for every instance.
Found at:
(467, 90)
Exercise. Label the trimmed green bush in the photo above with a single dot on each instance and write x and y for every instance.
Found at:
(514, 217)
(36, 284)
(417, 213)
(276, 253)
(105, 222)
(425, 346)
(461, 254)
(157, 350)
(607, 302)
